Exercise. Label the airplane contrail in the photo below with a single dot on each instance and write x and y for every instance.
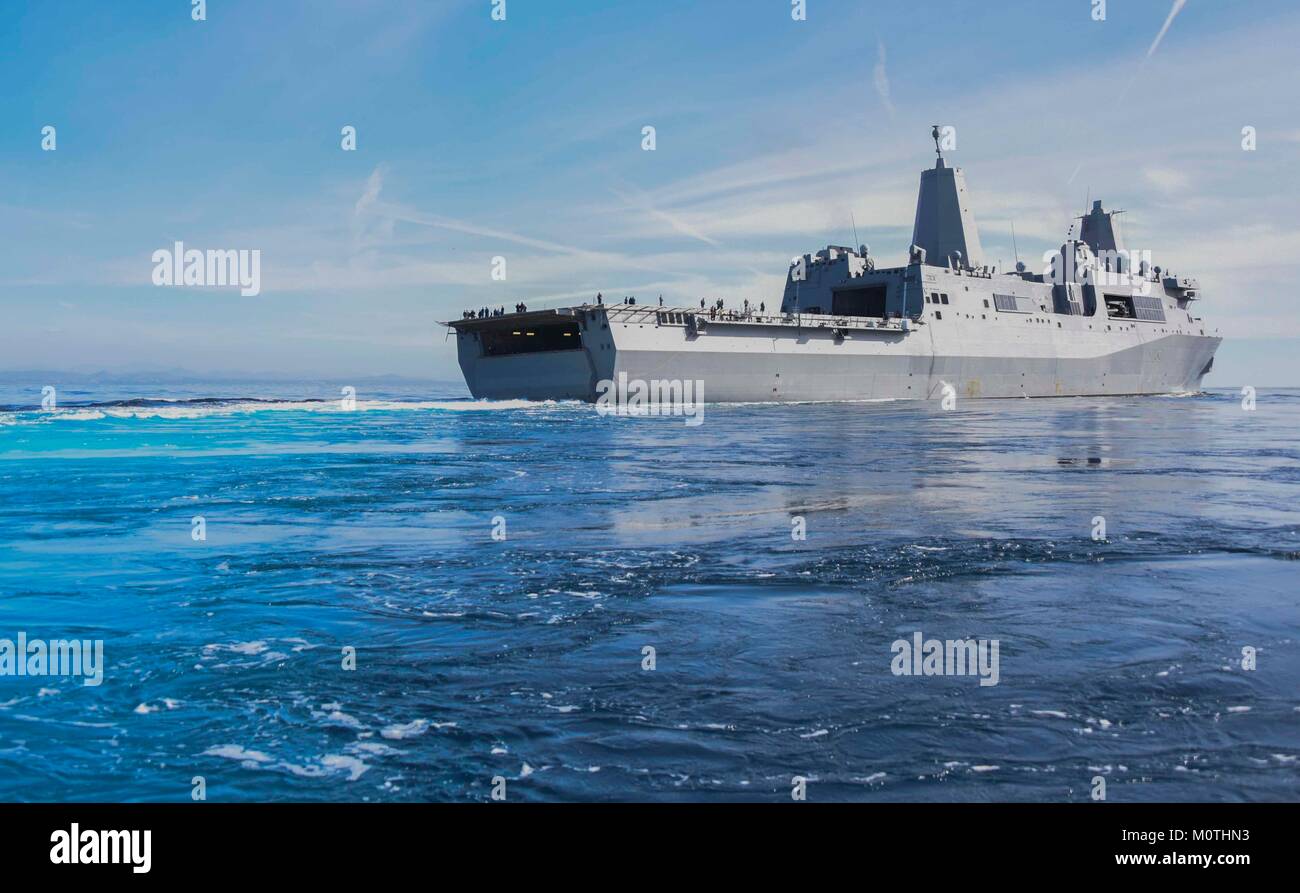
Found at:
(1173, 14)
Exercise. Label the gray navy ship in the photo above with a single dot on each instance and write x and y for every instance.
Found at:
(1098, 319)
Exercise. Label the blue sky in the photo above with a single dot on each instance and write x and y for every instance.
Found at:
(523, 139)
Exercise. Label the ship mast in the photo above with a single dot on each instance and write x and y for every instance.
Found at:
(945, 225)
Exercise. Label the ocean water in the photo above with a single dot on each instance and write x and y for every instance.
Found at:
(524, 658)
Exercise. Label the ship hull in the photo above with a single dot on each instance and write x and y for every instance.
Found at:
(790, 363)
(1172, 366)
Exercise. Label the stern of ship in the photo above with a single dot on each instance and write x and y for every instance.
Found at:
(534, 355)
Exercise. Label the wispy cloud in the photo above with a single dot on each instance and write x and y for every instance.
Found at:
(363, 216)
(1167, 179)
(578, 259)
(642, 203)
(374, 186)
(880, 78)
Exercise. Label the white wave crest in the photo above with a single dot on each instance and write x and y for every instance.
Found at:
(188, 411)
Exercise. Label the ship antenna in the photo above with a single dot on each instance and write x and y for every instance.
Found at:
(1013, 241)
(855, 229)
(934, 134)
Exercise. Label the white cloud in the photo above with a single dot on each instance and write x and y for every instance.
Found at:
(1166, 179)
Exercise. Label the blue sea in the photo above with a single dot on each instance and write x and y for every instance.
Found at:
(606, 608)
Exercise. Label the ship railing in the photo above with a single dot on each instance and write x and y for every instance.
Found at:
(805, 320)
(670, 316)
